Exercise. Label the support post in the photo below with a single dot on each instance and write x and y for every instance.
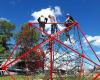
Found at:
(51, 66)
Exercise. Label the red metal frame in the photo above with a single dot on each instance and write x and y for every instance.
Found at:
(51, 39)
(81, 64)
(51, 66)
(12, 77)
(88, 43)
(94, 78)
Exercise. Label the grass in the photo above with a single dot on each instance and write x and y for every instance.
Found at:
(21, 77)
(17, 77)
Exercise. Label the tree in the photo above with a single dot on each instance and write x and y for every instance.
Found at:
(6, 33)
(30, 39)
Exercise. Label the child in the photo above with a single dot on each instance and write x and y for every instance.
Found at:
(54, 26)
(42, 21)
(68, 23)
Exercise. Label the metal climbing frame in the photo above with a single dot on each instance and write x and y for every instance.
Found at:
(80, 56)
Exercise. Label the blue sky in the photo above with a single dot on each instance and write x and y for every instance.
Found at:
(86, 12)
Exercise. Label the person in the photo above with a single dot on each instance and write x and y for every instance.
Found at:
(42, 21)
(69, 18)
(54, 27)
(68, 23)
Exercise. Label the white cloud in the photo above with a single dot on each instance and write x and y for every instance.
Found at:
(98, 52)
(48, 11)
(94, 40)
(56, 11)
(4, 19)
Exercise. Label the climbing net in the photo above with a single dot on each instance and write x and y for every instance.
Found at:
(54, 58)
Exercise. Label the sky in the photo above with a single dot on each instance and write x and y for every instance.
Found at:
(85, 12)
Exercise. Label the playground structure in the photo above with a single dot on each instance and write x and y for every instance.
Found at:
(56, 58)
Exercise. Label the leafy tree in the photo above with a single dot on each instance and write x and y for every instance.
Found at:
(29, 40)
(6, 28)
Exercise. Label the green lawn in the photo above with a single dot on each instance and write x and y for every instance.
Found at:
(16, 78)
(20, 77)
